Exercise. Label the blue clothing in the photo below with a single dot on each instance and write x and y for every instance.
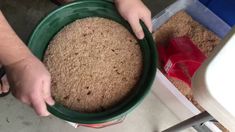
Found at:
(225, 9)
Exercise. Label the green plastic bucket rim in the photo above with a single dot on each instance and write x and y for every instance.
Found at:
(56, 109)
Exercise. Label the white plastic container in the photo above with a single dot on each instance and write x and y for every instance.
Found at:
(162, 87)
(198, 11)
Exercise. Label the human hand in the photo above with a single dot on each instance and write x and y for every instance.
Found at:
(30, 83)
(133, 11)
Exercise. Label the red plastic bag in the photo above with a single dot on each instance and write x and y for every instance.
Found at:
(180, 58)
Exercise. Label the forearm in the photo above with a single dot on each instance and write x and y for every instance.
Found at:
(12, 49)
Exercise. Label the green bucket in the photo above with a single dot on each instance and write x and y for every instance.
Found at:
(66, 14)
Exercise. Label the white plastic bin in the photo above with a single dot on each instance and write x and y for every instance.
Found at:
(162, 87)
(198, 12)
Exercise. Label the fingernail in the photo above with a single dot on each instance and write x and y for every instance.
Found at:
(50, 101)
(140, 35)
(45, 114)
(5, 90)
(151, 30)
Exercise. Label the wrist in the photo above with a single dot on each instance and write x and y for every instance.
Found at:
(14, 53)
(12, 49)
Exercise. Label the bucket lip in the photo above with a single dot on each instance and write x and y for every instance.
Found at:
(56, 109)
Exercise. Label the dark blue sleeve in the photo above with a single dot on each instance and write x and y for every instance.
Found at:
(225, 9)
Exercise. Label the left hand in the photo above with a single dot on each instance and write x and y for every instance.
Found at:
(133, 11)
(30, 82)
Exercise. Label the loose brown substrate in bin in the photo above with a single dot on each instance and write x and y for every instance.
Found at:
(95, 63)
(182, 24)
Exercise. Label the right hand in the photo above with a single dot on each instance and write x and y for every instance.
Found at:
(133, 11)
(30, 83)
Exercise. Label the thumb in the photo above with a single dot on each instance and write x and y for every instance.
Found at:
(148, 22)
(136, 27)
(47, 92)
(49, 100)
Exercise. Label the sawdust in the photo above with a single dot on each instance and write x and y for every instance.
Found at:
(95, 63)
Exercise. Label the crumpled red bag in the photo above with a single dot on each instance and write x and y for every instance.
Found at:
(180, 58)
